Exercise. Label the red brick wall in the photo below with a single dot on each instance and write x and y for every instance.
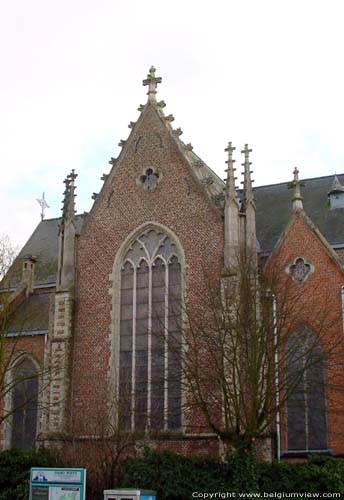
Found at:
(178, 203)
(33, 344)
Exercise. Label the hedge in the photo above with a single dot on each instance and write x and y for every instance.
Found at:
(176, 477)
(15, 471)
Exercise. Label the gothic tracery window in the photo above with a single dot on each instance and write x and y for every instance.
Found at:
(300, 269)
(24, 405)
(149, 179)
(150, 337)
(306, 406)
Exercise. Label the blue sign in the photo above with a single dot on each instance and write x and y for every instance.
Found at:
(57, 484)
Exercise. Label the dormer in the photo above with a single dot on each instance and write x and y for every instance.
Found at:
(336, 194)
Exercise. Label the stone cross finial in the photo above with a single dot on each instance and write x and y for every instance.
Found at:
(152, 82)
(68, 209)
(296, 185)
(248, 190)
(230, 180)
(296, 174)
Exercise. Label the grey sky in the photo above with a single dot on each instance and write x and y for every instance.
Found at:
(269, 73)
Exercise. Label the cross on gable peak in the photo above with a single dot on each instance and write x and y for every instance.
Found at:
(296, 186)
(152, 82)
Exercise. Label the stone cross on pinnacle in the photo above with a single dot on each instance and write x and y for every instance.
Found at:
(152, 82)
(248, 191)
(296, 185)
(68, 202)
(230, 180)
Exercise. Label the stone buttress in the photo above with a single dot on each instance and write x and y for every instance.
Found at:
(61, 336)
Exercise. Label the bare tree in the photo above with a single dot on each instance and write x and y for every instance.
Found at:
(8, 253)
(101, 444)
(23, 379)
(248, 349)
(23, 382)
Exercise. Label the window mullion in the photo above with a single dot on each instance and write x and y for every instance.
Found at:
(24, 427)
(133, 355)
(149, 345)
(166, 340)
(305, 378)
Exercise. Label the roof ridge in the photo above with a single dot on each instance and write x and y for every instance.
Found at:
(305, 179)
(58, 218)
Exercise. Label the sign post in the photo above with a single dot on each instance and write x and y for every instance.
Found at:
(57, 484)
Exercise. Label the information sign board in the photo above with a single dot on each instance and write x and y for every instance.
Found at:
(57, 484)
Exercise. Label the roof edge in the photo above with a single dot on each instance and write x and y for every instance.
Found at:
(329, 250)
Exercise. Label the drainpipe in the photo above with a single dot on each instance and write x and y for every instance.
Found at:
(278, 416)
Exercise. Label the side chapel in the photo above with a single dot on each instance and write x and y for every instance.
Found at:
(87, 292)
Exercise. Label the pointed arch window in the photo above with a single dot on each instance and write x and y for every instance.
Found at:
(306, 406)
(150, 336)
(24, 404)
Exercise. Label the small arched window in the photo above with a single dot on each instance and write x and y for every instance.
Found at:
(24, 405)
(306, 406)
(150, 336)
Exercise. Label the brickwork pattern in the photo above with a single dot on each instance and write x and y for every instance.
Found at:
(178, 203)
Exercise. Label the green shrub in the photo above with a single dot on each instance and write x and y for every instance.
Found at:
(176, 477)
(318, 475)
(242, 473)
(15, 471)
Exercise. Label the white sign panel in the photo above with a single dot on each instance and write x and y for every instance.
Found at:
(56, 476)
(64, 493)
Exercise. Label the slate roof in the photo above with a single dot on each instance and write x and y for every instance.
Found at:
(43, 244)
(274, 208)
(32, 315)
(213, 184)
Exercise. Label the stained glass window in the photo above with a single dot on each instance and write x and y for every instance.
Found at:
(306, 406)
(24, 404)
(150, 335)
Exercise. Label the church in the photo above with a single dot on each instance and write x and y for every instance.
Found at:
(88, 292)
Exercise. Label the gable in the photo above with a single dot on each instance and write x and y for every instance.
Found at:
(179, 176)
(302, 239)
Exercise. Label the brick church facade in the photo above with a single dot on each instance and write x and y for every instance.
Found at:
(88, 292)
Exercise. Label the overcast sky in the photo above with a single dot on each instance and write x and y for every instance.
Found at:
(269, 73)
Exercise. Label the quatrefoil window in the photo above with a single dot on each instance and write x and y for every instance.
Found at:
(149, 179)
(300, 269)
